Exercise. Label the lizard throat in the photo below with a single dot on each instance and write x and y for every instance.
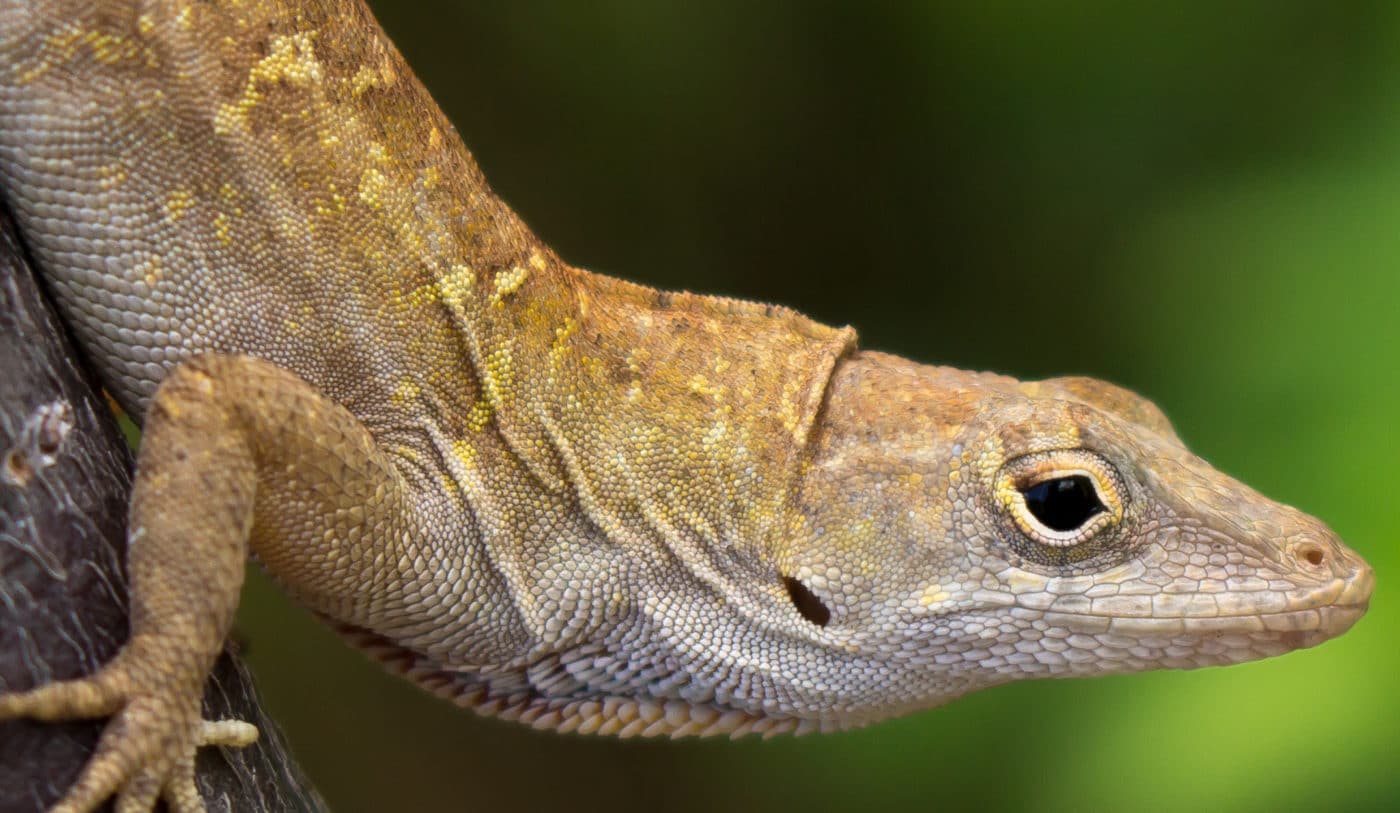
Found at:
(510, 697)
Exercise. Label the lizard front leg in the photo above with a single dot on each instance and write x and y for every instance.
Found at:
(231, 443)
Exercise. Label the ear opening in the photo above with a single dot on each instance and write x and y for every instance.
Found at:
(807, 602)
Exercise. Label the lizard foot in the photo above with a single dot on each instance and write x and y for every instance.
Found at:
(147, 751)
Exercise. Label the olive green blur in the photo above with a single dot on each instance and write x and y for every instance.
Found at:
(1200, 201)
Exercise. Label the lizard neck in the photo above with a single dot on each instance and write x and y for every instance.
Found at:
(647, 404)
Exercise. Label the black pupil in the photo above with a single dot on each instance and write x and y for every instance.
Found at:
(1064, 503)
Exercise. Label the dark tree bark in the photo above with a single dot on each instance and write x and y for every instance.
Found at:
(65, 477)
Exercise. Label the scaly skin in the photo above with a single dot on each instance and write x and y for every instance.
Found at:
(548, 494)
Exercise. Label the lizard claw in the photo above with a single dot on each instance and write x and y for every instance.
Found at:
(147, 750)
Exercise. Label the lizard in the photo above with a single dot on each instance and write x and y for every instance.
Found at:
(544, 493)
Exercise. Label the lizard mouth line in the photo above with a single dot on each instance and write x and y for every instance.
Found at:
(1330, 609)
(1329, 619)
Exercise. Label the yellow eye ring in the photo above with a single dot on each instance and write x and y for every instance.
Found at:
(1061, 498)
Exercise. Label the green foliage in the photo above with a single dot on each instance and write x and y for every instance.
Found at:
(1195, 200)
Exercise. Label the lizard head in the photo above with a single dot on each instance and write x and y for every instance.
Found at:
(957, 530)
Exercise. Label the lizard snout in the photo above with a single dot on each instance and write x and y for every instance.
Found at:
(1325, 557)
(1339, 596)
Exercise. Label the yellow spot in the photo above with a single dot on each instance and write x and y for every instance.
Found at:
(480, 415)
(186, 17)
(701, 386)
(111, 176)
(335, 205)
(561, 340)
(177, 203)
(60, 48)
(145, 24)
(499, 376)
(408, 453)
(112, 49)
(934, 594)
(221, 228)
(149, 269)
(404, 393)
(594, 366)
(464, 451)
(788, 410)
(537, 260)
(508, 282)
(373, 185)
(290, 59)
(364, 79)
(456, 285)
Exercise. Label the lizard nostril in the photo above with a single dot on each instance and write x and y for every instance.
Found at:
(1310, 553)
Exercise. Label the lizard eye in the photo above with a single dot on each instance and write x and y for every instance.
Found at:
(1063, 503)
(1061, 498)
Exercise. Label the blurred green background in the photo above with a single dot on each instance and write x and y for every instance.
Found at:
(1200, 201)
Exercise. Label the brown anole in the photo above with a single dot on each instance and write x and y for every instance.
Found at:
(544, 493)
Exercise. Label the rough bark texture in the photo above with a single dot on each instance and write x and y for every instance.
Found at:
(65, 476)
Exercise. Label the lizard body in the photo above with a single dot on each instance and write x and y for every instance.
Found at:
(545, 493)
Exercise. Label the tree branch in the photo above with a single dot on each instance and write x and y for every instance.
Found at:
(65, 478)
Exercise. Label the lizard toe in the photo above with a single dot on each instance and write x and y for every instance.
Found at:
(139, 794)
(97, 695)
(228, 733)
(180, 794)
(147, 751)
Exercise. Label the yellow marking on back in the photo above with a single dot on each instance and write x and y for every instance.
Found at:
(456, 285)
(499, 376)
(107, 48)
(290, 59)
(221, 228)
(508, 282)
(110, 176)
(702, 386)
(177, 203)
(373, 185)
(405, 393)
(364, 79)
(333, 205)
(464, 451)
(561, 340)
(480, 415)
